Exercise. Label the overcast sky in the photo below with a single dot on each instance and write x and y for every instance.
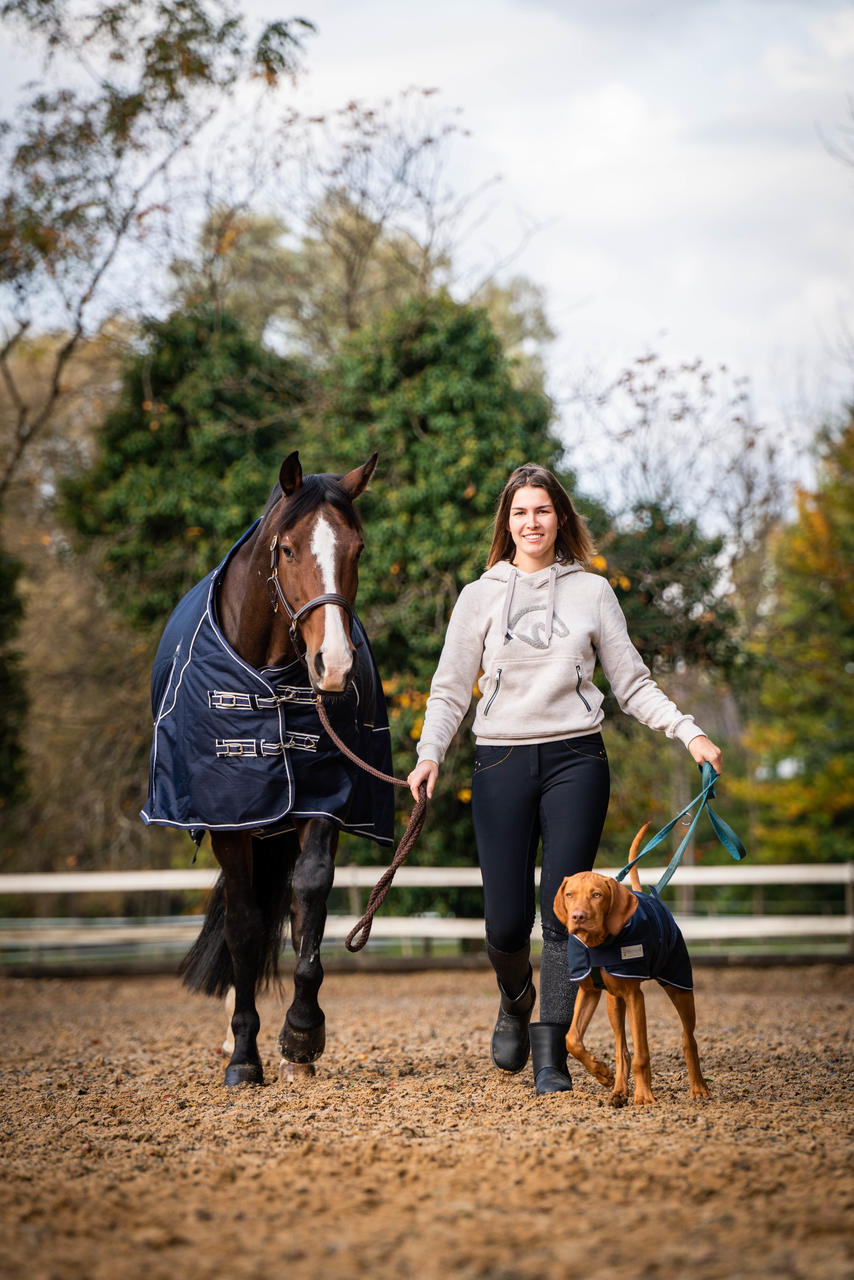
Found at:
(672, 154)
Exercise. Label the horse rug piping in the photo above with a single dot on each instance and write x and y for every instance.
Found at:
(649, 946)
(235, 747)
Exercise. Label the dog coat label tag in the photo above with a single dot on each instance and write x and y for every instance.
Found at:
(632, 953)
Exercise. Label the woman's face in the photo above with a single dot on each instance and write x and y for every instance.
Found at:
(533, 526)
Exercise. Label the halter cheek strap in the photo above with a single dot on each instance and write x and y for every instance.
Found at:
(278, 597)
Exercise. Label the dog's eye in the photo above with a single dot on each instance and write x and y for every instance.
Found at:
(595, 894)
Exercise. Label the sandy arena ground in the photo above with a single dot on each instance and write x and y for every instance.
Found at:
(408, 1156)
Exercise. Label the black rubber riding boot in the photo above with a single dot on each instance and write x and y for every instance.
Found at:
(509, 1048)
(548, 1048)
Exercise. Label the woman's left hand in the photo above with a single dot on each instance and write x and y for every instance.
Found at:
(703, 749)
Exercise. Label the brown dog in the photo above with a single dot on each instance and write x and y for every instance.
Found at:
(596, 910)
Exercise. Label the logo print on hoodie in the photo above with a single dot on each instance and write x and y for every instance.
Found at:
(533, 630)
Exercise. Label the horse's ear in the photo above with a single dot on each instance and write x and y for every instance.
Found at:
(355, 481)
(290, 474)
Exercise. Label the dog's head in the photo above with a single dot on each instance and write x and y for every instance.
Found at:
(594, 907)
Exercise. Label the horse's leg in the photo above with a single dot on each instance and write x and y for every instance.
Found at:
(303, 1036)
(228, 1042)
(243, 935)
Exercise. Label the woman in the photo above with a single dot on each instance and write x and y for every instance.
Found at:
(534, 623)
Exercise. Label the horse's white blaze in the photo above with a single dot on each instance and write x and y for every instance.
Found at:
(335, 650)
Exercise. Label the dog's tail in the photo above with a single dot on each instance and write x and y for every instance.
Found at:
(636, 844)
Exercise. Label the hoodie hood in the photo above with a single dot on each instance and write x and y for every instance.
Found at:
(541, 580)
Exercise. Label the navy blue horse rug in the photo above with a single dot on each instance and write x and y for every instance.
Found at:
(239, 748)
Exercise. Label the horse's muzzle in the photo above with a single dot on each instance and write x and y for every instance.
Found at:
(331, 683)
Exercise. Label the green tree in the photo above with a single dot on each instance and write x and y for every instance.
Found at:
(802, 741)
(344, 272)
(187, 458)
(127, 88)
(666, 574)
(430, 389)
(86, 160)
(371, 224)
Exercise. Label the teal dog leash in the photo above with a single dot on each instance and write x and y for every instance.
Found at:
(722, 830)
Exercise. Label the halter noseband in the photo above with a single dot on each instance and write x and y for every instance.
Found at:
(278, 597)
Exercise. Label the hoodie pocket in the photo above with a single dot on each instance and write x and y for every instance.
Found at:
(578, 687)
(494, 693)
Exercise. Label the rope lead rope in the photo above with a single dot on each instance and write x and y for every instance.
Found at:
(359, 934)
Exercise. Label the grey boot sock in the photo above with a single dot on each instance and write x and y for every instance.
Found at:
(557, 990)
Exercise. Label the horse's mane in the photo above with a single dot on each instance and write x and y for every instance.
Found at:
(315, 491)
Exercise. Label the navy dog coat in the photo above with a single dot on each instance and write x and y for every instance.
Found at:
(237, 748)
(649, 946)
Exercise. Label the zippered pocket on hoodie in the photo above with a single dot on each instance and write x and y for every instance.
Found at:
(578, 688)
(494, 693)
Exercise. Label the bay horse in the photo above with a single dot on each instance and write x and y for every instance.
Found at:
(282, 602)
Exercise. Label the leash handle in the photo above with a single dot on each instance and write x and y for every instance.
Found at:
(724, 832)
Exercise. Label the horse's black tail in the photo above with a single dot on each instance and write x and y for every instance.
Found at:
(207, 965)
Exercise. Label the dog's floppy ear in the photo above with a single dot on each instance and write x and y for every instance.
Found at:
(560, 908)
(623, 906)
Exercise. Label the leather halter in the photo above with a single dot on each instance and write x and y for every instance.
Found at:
(278, 597)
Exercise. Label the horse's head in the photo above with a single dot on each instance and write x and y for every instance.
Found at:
(315, 540)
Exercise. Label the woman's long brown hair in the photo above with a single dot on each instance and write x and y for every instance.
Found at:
(573, 540)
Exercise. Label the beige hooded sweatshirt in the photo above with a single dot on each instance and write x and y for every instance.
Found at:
(536, 638)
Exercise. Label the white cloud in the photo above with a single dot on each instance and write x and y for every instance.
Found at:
(671, 152)
(834, 34)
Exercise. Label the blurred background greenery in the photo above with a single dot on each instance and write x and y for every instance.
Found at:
(138, 443)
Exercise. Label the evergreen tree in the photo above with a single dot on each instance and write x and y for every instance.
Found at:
(666, 574)
(186, 460)
(430, 389)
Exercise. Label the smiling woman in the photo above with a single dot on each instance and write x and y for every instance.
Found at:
(534, 624)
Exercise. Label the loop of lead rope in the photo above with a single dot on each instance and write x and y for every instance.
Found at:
(359, 934)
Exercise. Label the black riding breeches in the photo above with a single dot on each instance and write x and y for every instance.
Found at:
(555, 790)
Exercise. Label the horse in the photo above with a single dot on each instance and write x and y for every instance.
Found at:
(280, 608)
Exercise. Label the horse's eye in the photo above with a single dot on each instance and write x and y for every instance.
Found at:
(359, 552)
(287, 552)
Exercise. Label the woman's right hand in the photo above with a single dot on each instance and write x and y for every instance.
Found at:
(425, 771)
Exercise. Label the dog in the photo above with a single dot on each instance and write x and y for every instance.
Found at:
(614, 928)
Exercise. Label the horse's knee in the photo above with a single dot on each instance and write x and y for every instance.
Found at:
(314, 874)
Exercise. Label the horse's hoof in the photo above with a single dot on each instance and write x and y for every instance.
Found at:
(293, 1072)
(244, 1073)
(300, 1046)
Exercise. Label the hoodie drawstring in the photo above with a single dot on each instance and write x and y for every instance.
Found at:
(508, 601)
(550, 601)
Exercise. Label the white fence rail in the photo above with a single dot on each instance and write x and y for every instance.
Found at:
(43, 936)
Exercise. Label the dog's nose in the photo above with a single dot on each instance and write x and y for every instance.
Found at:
(578, 915)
